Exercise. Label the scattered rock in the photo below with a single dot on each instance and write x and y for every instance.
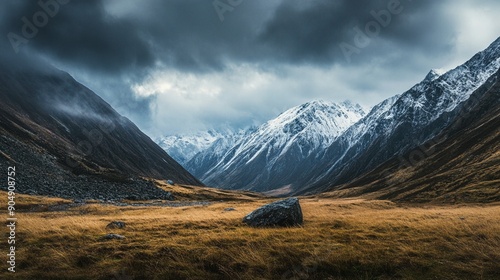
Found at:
(88, 187)
(116, 224)
(170, 182)
(281, 213)
(110, 236)
(229, 209)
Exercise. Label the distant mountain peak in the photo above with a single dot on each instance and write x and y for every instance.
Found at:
(323, 117)
(434, 74)
(183, 147)
(315, 102)
(291, 137)
(349, 104)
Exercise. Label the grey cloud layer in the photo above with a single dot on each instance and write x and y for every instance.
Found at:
(187, 34)
(111, 45)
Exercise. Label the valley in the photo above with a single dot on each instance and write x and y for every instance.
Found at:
(320, 146)
(340, 239)
(161, 140)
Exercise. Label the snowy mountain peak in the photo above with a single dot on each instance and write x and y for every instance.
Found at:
(434, 74)
(295, 134)
(353, 106)
(183, 147)
(317, 121)
(320, 117)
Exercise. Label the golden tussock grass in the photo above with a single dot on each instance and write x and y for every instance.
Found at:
(340, 239)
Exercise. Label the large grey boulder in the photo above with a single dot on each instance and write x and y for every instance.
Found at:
(281, 213)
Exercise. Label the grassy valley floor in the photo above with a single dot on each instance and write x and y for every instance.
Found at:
(340, 239)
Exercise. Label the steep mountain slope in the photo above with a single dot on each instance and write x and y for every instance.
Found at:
(271, 157)
(59, 134)
(460, 164)
(399, 124)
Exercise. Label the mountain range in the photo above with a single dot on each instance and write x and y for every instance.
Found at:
(411, 119)
(184, 147)
(462, 163)
(318, 145)
(261, 160)
(69, 142)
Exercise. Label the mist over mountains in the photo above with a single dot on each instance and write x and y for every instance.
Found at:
(69, 142)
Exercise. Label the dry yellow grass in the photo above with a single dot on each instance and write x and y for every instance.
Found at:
(24, 202)
(186, 192)
(340, 239)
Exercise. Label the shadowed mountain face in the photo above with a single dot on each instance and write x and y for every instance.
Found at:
(460, 164)
(398, 124)
(55, 130)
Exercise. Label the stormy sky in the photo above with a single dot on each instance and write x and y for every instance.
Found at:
(180, 66)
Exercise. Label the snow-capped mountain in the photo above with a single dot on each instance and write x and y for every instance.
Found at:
(209, 157)
(183, 147)
(402, 122)
(317, 145)
(433, 74)
(461, 163)
(270, 157)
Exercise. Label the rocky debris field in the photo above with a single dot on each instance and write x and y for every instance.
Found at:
(38, 173)
(88, 188)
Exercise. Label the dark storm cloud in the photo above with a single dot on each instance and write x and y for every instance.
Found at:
(187, 34)
(83, 39)
(190, 36)
(82, 33)
(113, 45)
(312, 32)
